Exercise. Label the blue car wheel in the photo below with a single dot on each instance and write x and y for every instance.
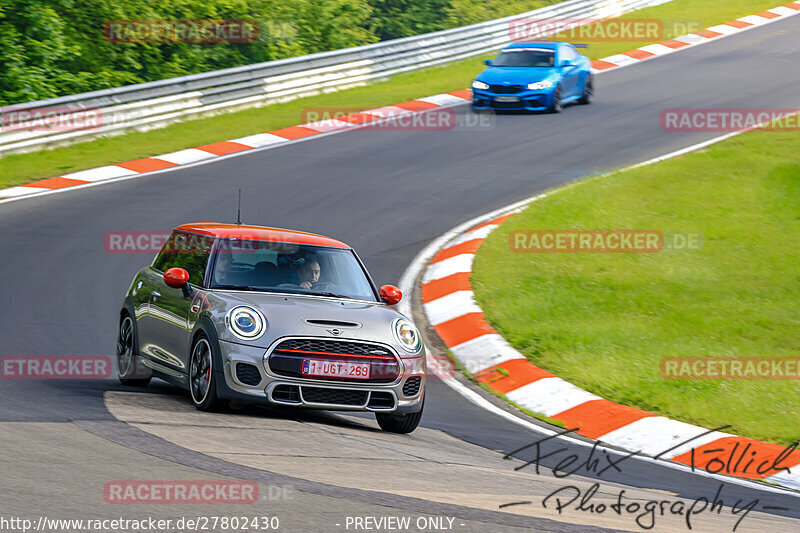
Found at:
(556, 106)
(588, 91)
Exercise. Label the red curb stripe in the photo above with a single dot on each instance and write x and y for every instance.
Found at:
(469, 247)
(767, 15)
(708, 34)
(466, 94)
(438, 288)
(724, 455)
(498, 220)
(294, 132)
(223, 148)
(463, 328)
(416, 105)
(55, 183)
(599, 64)
(639, 54)
(595, 418)
(521, 372)
(738, 24)
(359, 118)
(148, 164)
(793, 5)
(672, 43)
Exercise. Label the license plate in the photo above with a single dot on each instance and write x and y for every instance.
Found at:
(506, 98)
(332, 369)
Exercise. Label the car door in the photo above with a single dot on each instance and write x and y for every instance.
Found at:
(170, 309)
(570, 72)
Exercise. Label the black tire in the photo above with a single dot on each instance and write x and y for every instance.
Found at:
(202, 376)
(129, 371)
(399, 423)
(588, 91)
(557, 106)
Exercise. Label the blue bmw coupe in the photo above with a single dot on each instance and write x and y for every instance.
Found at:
(534, 76)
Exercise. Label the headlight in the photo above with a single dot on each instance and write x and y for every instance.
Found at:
(246, 322)
(480, 85)
(407, 335)
(546, 84)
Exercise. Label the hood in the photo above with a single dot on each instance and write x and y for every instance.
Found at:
(293, 315)
(516, 75)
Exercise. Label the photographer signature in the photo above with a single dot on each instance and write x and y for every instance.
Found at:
(599, 461)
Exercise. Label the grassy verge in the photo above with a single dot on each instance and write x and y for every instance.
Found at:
(23, 168)
(604, 321)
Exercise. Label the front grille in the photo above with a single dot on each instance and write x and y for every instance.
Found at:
(505, 89)
(411, 386)
(248, 374)
(508, 105)
(332, 346)
(287, 358)
(334, 396)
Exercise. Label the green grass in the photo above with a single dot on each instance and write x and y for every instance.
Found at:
(23, 168)
(604, 321)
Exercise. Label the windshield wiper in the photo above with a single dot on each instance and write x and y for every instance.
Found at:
(235, 287)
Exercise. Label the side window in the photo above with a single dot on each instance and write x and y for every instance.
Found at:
(187, 251)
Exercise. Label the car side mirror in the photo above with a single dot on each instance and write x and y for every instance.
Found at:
(489, 62)
(390, 294)
(567, 64)
(177, 278)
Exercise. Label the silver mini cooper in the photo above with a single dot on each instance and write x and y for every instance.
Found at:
(252, 314)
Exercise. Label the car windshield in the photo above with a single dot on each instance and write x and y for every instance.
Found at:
(525, 57)
(290, 268)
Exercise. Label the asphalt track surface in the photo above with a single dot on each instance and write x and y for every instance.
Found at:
(387, 194)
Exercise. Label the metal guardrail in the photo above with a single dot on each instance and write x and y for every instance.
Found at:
(155, 104)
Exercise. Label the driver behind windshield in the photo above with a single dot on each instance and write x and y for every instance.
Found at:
(308, 274)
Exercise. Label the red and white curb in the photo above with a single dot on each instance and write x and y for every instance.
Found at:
(692, 39)
(216, 150)
(450, 307)
(210, 152)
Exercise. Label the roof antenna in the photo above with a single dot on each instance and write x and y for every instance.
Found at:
(239, 212)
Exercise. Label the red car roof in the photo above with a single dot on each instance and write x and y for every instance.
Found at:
(259, 233)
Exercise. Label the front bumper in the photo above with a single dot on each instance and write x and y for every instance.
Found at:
(248, 377)
(524, 100)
